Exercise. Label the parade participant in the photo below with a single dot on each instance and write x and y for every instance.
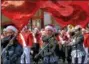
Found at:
(87, 30)
(36, 45)
(86, 45)
(86, 36)
(12, 50)
(49, 56)
(78, 52)
(43, 34)
(25, 38)
(37, 36)
(10, 31)
(70, 29)
(3, 33)
(59, 48)
(65, 50)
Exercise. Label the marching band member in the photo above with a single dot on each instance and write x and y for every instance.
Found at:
(25, 38)
(43, 34)
(37, 36)
(3, 34)
(86, 45)
(78, 52)
(12, 50)
(36, 45)
(64, 39)
(49, 56)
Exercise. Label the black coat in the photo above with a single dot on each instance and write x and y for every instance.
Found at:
(5, 41)
(13, 52)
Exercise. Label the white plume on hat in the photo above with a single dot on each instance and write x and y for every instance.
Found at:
(49, 28)
(11, 28)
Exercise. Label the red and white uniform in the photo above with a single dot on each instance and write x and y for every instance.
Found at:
(26, 39)
(38, 38)
(64, 38)
(86, 40)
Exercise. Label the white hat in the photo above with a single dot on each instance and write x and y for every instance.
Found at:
(77, 27)
(49, 28)
(11, 28)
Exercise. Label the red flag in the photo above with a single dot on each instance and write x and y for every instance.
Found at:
(19, 11)
(80, 15)
(65, 12)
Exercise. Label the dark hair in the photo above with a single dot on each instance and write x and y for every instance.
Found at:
(88, 25)
(79, 29)
(72, 33)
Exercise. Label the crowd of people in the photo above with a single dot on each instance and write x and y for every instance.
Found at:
(70, 44)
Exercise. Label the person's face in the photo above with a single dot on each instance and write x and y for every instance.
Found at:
(88, 25)
(9, 32)
(4, 33)
(77, 32)
(43, 33)
(49, 32)
(63, 32)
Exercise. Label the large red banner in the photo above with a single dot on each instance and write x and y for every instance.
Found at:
(64, 12)
(19, 11)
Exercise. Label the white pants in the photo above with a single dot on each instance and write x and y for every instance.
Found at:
(78, 57)
(79, 60)
(25, 58)
(86, 57)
